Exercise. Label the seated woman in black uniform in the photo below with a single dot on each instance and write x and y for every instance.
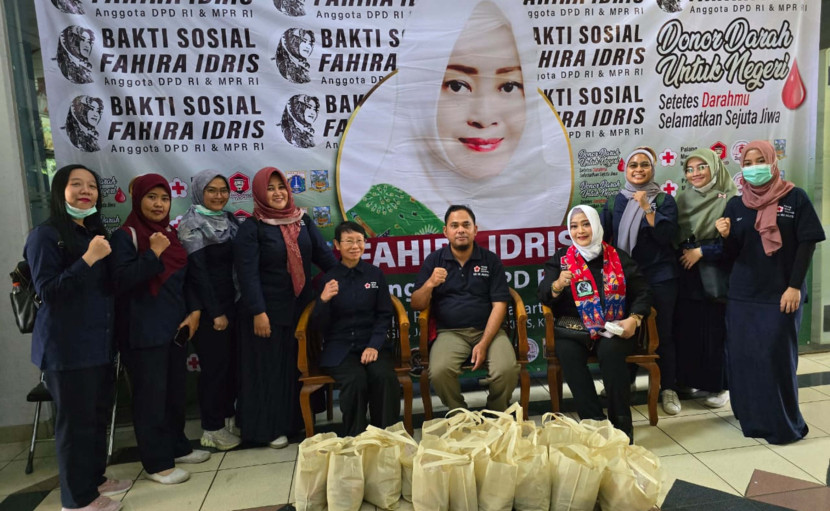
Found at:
(354, 311)
(150, 269)
(595, 284)
(72, 341)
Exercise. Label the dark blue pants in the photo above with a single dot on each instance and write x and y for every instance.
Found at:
(217, 380)
(665, 298)
(83, 398)
(158, 378)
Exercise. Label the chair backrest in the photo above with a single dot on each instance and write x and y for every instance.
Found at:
(310, 339)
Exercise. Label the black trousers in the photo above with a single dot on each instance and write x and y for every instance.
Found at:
(217, 381)
(573, 356)
(665, 299)
(374, 386)
(83, 398)
(158, 377)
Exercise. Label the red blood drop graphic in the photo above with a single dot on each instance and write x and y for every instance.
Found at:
(794, 92)
(621, 165)
(120, 196)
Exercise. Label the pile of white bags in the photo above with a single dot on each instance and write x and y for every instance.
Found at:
(488, 461)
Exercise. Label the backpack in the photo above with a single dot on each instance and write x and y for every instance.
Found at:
(25, 302)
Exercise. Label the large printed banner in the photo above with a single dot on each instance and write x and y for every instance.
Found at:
(387, 111)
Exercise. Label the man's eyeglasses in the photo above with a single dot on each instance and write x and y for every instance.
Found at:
(700, 168)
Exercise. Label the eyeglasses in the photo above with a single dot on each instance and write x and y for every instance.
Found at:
(700, 168)
(350, 242)
(643, 165)
(217, 191)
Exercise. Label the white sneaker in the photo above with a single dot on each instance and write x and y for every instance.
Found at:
(195, 456)
(175, 477)
(717, 399)
(221, 439)
(671, 403)
(279, 442)
(230, 425)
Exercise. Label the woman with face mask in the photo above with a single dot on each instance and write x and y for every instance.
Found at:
(595, 283)
(699, 320)
(770, 232)
(641, 220)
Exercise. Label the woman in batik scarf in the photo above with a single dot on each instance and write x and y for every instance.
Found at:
(74, 49)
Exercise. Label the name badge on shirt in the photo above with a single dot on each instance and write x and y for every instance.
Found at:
(480, 271)
(584, 288)
(370, 285)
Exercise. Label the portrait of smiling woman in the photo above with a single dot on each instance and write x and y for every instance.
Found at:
(461, 121)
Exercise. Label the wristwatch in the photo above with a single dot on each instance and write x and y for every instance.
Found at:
(652, 208)
(638, 318)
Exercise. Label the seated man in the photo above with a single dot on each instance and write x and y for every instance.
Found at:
(468, 288)
(353, 312)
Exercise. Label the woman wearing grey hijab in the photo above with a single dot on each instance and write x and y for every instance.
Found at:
(641, 220)
(206, 232)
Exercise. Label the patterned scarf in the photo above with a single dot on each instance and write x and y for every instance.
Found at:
(586, 294)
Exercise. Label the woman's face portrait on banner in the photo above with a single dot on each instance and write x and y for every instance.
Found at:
(85, 39)
(481, 108)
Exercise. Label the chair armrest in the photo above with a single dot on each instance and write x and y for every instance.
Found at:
(403, 328)
(423, 341)
(653, 336)
(550, 342)
(301, 333)
(521, 324)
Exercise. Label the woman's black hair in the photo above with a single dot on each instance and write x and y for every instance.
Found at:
(60, 219)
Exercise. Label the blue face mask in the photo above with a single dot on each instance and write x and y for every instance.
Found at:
(79, 213)
(757, 175)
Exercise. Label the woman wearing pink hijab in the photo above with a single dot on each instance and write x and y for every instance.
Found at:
(770, 233)
(273, 252)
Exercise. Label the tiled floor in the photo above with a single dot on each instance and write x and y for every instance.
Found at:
(699, 445)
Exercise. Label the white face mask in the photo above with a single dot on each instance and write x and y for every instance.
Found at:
(79, 213)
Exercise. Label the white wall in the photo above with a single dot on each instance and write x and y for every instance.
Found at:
(17, 374)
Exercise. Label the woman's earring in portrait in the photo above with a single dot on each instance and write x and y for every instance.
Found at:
(74, 51)
(298, 118)
(81, 122)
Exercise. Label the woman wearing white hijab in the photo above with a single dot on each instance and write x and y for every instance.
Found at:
(641, 220)
(462, 121)
(594, 284)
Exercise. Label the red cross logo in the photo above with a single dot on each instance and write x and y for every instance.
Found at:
(178, 188)
(477, 268)
(720, 149)
(780, 209)
(668, 158)
(367, 285)
(193, 363)
(175, 222)
(670, 188)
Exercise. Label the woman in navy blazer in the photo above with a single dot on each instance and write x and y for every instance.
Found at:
(273, 252)
(150, 270)
(72, 341)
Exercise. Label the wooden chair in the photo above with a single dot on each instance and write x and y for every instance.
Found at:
(646, 358)
(312, 378)
(516, 327)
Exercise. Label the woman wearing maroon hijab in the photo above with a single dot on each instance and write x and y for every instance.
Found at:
(770, 232)
(273, 252)
(151, 308)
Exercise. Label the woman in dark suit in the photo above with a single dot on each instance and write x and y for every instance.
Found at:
(154, 321)
(273, 252)
(72, 341)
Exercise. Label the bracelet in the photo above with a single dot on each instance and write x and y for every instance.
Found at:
(553, 288)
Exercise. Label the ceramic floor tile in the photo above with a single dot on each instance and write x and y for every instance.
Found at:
(656, 441)
(146, 495)
(637, 416)
(687, 407)
(691, 469)
(52, 502)
(736, 466)
(246, 487)
(807, 366)
(821, 358)
(293, 475)
(124, 471)
(258, 456)
(10, 451)
(817, 414)
(709, 432)
(42, 450)
(13, 479)
(809, 394)
(824, 389)
(211, 465)
(811, 454)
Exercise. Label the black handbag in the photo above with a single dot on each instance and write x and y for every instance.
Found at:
(571, 327)
(715, 281)
(25, 301)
